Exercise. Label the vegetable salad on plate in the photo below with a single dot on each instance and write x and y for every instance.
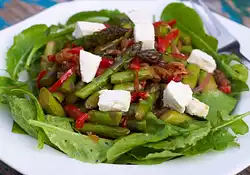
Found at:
(118, 88)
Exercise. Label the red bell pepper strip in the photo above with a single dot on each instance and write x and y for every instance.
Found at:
(225, 89)
(105, 63)
(164, 42)
(174, 78)
(39, 77)
(143, 95)
(75, 113)
(170, 23)
(52, 58)
(75, 50)
(63, 78)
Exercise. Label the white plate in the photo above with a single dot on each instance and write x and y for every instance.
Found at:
(21, 151)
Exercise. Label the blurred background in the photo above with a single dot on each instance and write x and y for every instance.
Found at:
(13, 11)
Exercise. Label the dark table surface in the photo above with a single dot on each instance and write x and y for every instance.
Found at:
(13, 11)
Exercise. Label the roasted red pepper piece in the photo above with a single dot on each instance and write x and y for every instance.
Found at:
(143, 95)
(105, 63)
(63, 78)
(39, 77)
(75, 50)
(174, 78)
(135, 65)
(225, 89)
(52, 58)
(135, 96)
(75, 113)
(81, 120)
(170, 23)
(164, 42)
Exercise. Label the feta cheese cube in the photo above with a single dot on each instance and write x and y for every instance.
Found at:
(140, 16)
(203, 60)
(89, 64)
(87, 28)
(197, 108)
(145, 33)
(114, 100)
(177, 96)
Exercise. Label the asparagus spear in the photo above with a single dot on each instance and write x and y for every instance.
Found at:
(105, 118)
(71, 98)
(80, 85)
(50, 49)
(174, 117)
(101, 37)
(59, 96)
(145, 106)
(69, 85)
(193, 75)
(135, 125)
(102, 80)
(129, 75)
(50, 104)
(104, 130)
(126, 86)
(186, 49)
(92, 100)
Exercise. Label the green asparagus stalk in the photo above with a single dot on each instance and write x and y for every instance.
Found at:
(71, 99)
(126, 86)
(174, 117)
(92, 100)
(145, 106)
(69, 85)
(50, 104)
(193, 74)
(186, 49)
(129, 75)
(109, 45)
(104, 130)
(49, 50)
(59, 96)
(102, 80)
(101, 37)
(135, 125)
(105, 118)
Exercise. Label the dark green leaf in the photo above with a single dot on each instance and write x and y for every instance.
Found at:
(76, 145)
(60, 122)
(17, 129)
(23, 43)
(217, 101)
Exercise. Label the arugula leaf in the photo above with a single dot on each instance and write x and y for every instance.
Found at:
(235, 122)
(17, 129)
(39, 113)
(189, 22)
(75, 145)
(61, 122)
(218, 140)
(93, 16)
(238, 87)
(188, 139)
(22, 111)
(217, 101)
(142, 153)
(23, 43)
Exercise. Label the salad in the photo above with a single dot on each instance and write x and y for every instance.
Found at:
(118, 88)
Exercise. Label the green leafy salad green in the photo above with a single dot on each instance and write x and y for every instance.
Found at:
(123, 110)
